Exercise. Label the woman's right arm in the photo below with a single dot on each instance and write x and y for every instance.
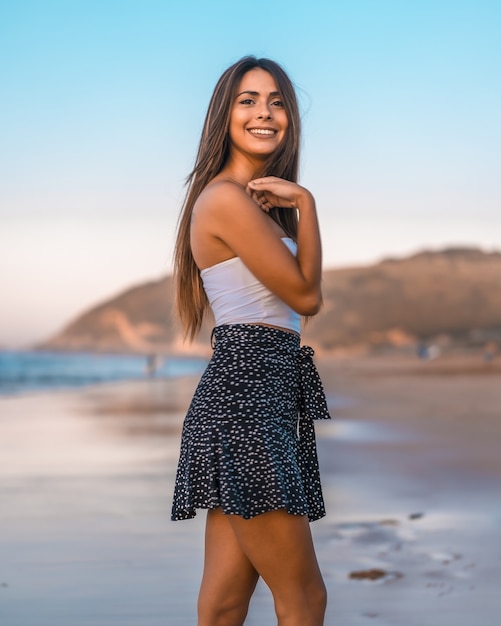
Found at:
(230, 216)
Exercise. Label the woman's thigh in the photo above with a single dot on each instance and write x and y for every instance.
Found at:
(229, 578)
(280, 547)
(276, 546)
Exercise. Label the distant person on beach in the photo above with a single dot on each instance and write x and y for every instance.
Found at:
(490, 350)
(248, 246)
(152, 364)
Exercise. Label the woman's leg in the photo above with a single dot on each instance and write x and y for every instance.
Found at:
(229, 578)
(280, 548)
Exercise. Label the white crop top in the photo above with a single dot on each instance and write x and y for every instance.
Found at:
(237, 297)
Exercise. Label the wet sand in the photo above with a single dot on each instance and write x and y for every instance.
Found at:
(411, 471)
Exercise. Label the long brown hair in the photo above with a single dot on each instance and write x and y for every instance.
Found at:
(213, 151)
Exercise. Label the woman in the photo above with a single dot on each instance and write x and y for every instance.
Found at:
(249, 246)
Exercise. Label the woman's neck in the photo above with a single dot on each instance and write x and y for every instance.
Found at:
(241, 170)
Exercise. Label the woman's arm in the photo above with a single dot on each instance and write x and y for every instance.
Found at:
(233, 220)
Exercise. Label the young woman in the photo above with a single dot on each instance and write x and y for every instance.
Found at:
(248, 245)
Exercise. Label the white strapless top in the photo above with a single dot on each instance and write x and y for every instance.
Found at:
(237, 297)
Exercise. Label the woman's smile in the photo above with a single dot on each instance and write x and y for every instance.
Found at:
(262, 132)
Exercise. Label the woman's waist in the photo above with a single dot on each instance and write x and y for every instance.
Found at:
(281, 317)
(284, 328)
(256, 333)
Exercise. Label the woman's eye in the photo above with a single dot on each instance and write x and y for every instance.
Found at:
(247, 101)
(278, 103)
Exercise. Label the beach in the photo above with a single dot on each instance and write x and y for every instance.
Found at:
(411, 472)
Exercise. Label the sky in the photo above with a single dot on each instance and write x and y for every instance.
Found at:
(103, 102)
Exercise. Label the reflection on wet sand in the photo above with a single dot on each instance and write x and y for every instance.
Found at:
(151, 408)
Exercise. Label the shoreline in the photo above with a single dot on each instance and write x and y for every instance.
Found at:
(29, 372)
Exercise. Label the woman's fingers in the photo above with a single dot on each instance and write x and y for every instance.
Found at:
(260, 199)
(276, 191)
(264, 203)
(266, 199)
(266, 180)
(261, 185)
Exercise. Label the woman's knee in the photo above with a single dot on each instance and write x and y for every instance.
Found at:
(231, 611)
(305, 605)
(318, 597)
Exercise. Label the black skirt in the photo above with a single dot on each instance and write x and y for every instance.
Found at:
(248, 442)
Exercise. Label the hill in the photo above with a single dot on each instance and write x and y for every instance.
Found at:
(451, 296)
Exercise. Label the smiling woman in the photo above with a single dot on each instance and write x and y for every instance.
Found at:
(249, 245)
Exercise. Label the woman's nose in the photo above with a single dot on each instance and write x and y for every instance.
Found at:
(264, 114)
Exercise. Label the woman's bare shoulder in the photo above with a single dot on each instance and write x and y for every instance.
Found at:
(220, 194)
(220, 205)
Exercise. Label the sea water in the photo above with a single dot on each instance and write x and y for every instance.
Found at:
(25, 371)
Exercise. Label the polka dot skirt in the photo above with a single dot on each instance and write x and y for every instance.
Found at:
(248, 441)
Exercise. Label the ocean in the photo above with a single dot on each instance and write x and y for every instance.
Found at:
(23, 371)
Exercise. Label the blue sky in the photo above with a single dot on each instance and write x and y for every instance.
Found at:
(103, 103)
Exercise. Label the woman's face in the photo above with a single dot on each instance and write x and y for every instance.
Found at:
(258, 120)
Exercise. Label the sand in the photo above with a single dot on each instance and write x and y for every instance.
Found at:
(411, 471)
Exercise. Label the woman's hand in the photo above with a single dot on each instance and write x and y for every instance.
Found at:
(271, 192)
